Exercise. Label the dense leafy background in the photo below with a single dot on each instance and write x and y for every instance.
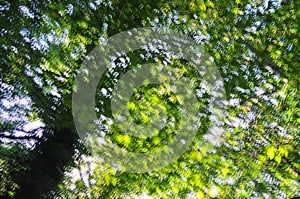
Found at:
(255, 45)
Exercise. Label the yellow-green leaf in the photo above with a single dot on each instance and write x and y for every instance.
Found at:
(203, 7)
(283, 151)
(131, 105)
(271, 152)
(225, 171)
(278, 159)
(210, 4)
(217, 55)
(127, 140)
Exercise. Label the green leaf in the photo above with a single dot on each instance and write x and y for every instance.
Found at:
(11, 194)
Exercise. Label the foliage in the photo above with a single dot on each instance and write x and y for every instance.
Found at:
(253, 43)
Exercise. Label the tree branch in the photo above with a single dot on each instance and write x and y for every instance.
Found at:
(274, 67)
(27, 137)
(12, 137)
(295, 169)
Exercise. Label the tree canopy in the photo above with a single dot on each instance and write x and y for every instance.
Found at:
(253, 44)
